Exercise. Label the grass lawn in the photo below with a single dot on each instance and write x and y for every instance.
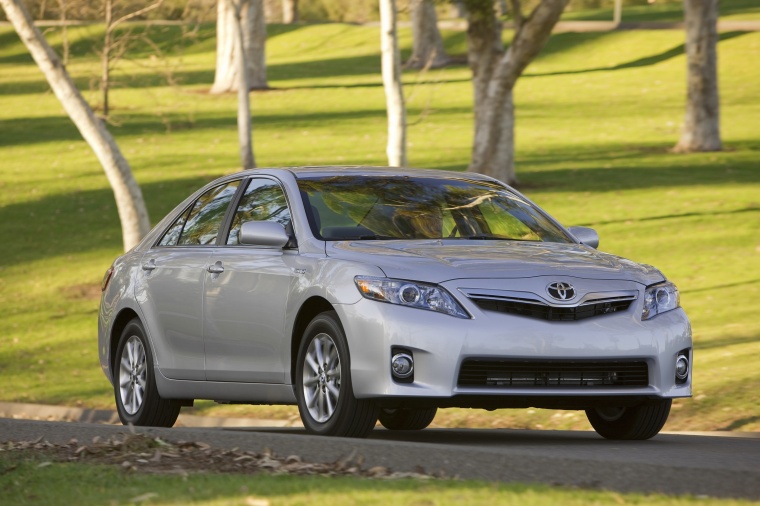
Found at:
(30, 480)
(596, 116)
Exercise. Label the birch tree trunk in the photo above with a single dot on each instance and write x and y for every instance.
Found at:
(701, 131)
(495, 74)
(129, 200)
(254, 44)
(290, 11)
(394, 94)
(245, 130)
(427, 49)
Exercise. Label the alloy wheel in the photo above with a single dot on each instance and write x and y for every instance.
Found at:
(321, 378)
(133, 375)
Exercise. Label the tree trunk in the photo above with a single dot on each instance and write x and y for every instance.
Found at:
(129, 200)
(254, 44)
(394, 94)
(290, 11)
(255, 40)
(105, 58)
(427, 48)
(701, 131)
(484, 49)
(245, 130)
(495, 75)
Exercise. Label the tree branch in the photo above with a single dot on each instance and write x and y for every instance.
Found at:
(517, 16)
(132, 15)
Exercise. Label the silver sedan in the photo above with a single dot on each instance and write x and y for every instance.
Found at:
(364, 294)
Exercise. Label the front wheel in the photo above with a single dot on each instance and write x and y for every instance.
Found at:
(323, 387)
(637, 422)
(134, 383)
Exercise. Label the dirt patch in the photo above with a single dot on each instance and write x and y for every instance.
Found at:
(86, 291)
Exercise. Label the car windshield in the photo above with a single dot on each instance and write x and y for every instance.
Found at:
(352, 207)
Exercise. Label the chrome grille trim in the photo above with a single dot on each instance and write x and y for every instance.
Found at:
(530, 305)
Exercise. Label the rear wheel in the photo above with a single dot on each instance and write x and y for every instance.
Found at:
(134, 383)
(637, 422)
(323, 388)
(407, 418)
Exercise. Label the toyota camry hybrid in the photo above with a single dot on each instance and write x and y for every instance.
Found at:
(379, 294)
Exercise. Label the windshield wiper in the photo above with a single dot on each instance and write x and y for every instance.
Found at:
(485, 238)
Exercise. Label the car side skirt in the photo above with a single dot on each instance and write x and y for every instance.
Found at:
(244, 393)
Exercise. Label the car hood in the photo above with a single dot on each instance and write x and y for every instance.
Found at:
(445, 260)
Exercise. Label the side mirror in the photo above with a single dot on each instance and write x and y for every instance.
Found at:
(263, 233)
(585, 235)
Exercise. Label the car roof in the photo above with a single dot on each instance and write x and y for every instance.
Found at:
(362, 170)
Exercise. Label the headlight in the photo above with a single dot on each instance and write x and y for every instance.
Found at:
(411, 294)
(659, 299)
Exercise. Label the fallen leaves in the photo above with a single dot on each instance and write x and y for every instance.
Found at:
(144, 453)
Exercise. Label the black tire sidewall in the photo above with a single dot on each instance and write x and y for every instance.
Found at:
(635, 423)
(135, 329)
(325, 323)
(407, 418)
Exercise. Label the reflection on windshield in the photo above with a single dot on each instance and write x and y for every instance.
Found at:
(381, 207)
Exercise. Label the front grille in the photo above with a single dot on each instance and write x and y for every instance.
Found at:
(553, 313)
(477, 372)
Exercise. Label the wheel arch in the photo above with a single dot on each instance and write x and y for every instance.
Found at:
(309, 309)
(125, 316)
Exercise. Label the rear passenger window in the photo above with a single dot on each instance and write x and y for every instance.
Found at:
(263, 200)
(171, 237)
(205, 218)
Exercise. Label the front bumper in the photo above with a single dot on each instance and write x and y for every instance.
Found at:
(440, 343)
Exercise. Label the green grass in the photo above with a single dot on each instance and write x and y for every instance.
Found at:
(596, 116)
(661, 11)
(23, 482)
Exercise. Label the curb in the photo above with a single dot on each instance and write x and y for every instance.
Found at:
(46, 412)
(49, 413)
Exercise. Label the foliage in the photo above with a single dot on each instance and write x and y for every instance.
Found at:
(597, 113)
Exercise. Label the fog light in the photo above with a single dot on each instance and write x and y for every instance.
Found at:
(402, 365)
(682, 368)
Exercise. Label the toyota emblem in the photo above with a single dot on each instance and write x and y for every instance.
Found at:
(561, 291)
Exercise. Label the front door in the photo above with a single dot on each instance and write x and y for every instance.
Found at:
(245, 300)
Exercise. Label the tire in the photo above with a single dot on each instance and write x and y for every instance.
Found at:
(407, 419)
(632, 423)
(323, 387)
(134, 383)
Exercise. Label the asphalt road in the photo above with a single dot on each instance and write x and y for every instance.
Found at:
(669, 463)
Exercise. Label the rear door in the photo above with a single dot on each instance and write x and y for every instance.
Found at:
(170, 286)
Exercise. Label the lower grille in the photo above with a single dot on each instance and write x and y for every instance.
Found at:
(552, 373)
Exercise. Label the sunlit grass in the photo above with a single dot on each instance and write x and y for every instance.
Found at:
(24, 482)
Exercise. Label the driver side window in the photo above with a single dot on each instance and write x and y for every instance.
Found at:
(263, 200)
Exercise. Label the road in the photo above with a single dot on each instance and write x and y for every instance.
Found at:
(669, 463)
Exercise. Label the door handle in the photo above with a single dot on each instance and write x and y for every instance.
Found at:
(216, 268)
(149, 265)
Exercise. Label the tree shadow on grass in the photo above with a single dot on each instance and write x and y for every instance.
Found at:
(639, 62)
(30, 131)
(64, 224)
